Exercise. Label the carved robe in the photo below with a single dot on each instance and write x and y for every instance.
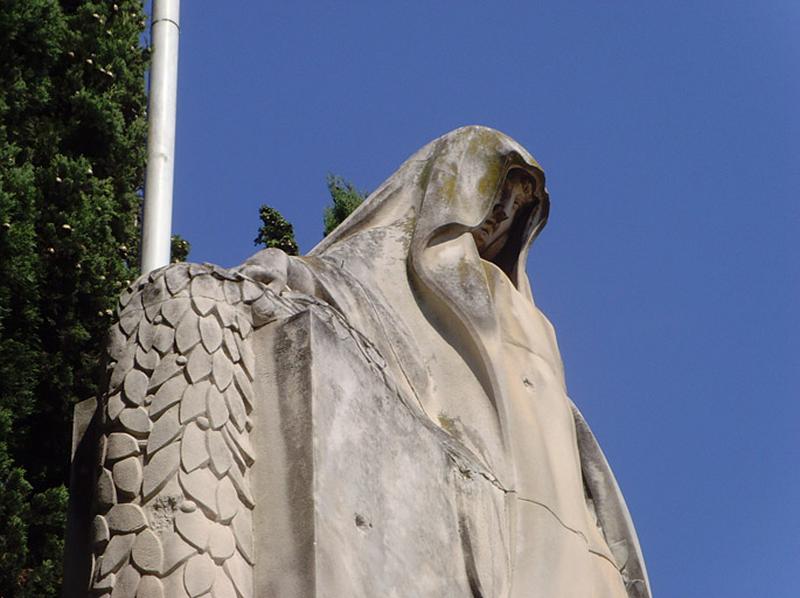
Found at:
(183, 457)
(471, 350)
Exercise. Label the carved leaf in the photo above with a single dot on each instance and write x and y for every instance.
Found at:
(127, 475)
(117, 343)
(120, 446)
(226, 314)
(193, 527)
(199, 485)
(202, 305)
(166, 369)
(121, 370)
(240, 573)
(147, 553)
(194, 452)
(106, 492)
(231, 345)
(223, 587)
(165, 429)
(251, 291)
(176, 549)
(126, 584)
(163, 339)
(245, 389)
(242, 525)
(150, 586)
(221, 544)
(244, 325)
(222, 369)
(219, 452)
(129, 321)
(248, 358)
(200, 364)
(175, 309)
(100, 533)
(135, 421)
(169, 394)
(176, 278)
(210, 333)
(147, 360)
(242, 443)
(126, 518)
(135, 387)
(217, 408)
(193, 403)
(114, 406)
(146, 335)
(187, 335)
(117, 550)
(160, 469)
(232, 290)
(199, 575)
(242, 487)
(235, 407)
(227, 501)
(207, 286)
(153, 295)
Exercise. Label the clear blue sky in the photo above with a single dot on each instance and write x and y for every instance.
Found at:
(670, 135)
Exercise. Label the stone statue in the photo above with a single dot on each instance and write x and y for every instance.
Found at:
(386, 416)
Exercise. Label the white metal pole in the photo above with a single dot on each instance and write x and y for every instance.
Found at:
(157, 224)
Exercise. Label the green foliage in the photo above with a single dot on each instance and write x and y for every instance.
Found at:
(72, 143)
(345, 200)
(275, 231)
(179, 249)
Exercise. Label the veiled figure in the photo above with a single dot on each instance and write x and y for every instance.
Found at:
(431, 268)
(386, 416)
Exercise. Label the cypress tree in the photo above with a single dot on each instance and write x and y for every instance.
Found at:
(72, 148)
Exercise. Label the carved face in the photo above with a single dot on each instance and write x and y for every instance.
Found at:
(513, 206)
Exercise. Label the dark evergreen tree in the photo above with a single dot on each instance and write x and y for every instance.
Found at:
(345, 199)
(72, 144)
(275, 231)
(179, 249)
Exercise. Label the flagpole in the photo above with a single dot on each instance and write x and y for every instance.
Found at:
(162, 100)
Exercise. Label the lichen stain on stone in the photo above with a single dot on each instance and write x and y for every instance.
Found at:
(451, 425)
(449, 190)
(489, 181)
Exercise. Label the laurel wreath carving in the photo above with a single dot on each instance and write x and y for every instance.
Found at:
(173, 501)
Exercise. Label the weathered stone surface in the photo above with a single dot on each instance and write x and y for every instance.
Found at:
(221, 543)
(193, 402)
(413, 461)
(194, 450)
(126, 518)
(168, 394)
(147, 552)
(217, 409)
(128, 476)
(160, 469)
(165, 429)
(117, 551)
(193, 527)
(120, 446)
(126, 583)
(199, 575)
(100, 532)
(135, 420)
(150, 587)
(177, 550)
(106, 493)
(222, 369)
